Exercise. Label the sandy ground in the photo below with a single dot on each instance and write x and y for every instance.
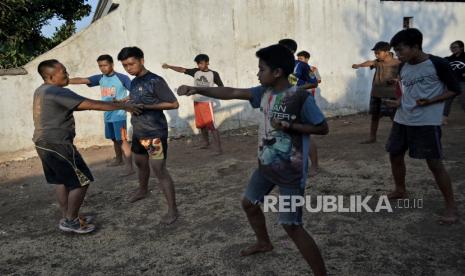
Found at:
(213, 228)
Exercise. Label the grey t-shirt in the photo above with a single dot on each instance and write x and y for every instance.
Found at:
(52, 111)
(424, 80)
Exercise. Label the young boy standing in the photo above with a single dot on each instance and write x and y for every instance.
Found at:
(303, 77)
(457, 64)
(383, 87)
(54, 132)
(304, 56)
(113, 86)
(287, 116)
(150, 129)
(203, 106)
(427, 81)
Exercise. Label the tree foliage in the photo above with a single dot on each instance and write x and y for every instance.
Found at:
(21, 22)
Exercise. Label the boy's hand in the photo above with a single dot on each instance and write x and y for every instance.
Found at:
(355, 66)
(185, 90)
(423, 102)
(135, 109)
(165, 66)
(281, 125)
(392, 103)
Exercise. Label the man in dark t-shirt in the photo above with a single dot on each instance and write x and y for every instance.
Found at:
(150, 129)
(54, 132)
(457, 64)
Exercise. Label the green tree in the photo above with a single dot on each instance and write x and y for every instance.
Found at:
(21, 22)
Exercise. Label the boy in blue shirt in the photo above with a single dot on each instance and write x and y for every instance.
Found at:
(287, 116)
(113, 87)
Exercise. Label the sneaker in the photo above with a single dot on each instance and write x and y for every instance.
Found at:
(76, 226)
(84, 219)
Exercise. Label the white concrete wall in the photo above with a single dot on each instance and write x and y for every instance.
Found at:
(336, 33)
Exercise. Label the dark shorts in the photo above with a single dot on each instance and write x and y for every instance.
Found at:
(156, 148)
(377, 107)
(58, 161)
(422, 142)
(259, 187)
(116, 130)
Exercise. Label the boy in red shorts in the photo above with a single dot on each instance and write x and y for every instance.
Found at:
(203, 106)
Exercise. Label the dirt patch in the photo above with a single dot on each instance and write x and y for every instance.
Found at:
(212, 227)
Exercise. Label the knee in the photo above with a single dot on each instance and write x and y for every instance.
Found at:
(435, 165)
(248, 206)
(160, 173)
(141, 164)
(396, 159)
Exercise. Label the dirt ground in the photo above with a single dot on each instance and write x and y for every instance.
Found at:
(213, 228)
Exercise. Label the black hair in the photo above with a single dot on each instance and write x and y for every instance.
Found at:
(277, 56)
(201, 57)
(46, 64)
(304, 54)
(458, 42)
(409, 37)
(289, 44)
(106, 58)
(128, 52)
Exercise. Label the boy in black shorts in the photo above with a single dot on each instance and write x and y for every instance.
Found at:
(383, 87)
(427, 81)
(54, 132)
(150, 129)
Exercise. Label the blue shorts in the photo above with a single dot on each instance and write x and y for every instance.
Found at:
(116, 130)
(258, 187)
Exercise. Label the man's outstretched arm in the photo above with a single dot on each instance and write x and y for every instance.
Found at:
(368, 63)
(161, 106)
(89, 104)
(79, 81)
(222, 93)
(178, 69)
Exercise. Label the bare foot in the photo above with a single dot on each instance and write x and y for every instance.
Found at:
(450, 217)
(169, 218)
(369, 141)
(256, 248)
(138, 195)
(397, 195)
(115, 163)
(127, 173)
(313, 171)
